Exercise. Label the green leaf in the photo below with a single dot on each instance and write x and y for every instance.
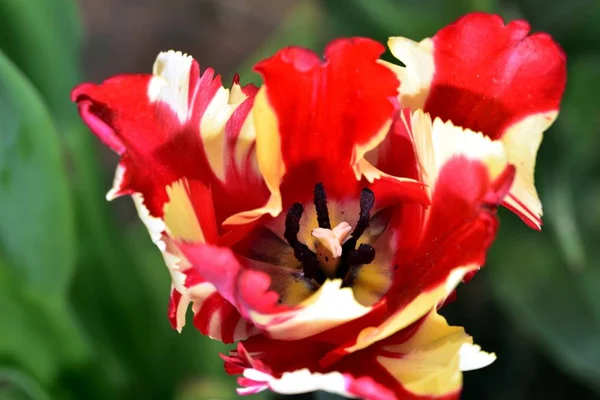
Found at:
(35, 336)
(37, 239)
(577, 140)
(43, 38)
(558, 306)
(562, 220)
(37, 228)
(17, 385)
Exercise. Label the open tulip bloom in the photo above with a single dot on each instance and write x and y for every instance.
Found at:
(321, 220)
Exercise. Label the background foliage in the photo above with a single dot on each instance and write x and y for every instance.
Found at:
(83, 294)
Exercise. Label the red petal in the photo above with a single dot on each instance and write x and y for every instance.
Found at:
(460, 227)
(160, 144)
(214, 316)
(409, 365)
(217, 318)
(326, 110)
(489, 75)
(157, 149)
(174, 301)
(367, 388)
(244, 288)
(420, 362)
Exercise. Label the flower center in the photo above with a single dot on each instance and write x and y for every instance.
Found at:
(336, 250)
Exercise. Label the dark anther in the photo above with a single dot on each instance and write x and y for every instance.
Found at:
(292, 223)
(310, 264)
(321, 207)
(364, 254)
(309, 261)
(367, 201)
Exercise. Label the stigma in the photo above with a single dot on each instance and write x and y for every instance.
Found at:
(336, 251)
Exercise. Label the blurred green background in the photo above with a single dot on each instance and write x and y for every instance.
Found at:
(83, 292)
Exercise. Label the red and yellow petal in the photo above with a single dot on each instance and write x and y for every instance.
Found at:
(214, 315)
(424, 361)
(482, 74)
(329, 307)
(429, 363)
(498, 72)
(316, 119)
(468, 176)
(522, 141)
(492, 78)
(176, 123)
(189, 161)
(396, 154)
(249, 290)
(289, 368)
(401, 316)
(417, 76)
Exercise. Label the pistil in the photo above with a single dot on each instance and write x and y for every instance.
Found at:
(329, 246)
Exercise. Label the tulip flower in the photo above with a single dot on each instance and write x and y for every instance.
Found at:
(321, 220)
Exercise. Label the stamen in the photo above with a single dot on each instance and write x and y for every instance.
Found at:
(309, 261)
(365, 254)
(310, 264)
(367, 201)
(320, 199)
(292, 223)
